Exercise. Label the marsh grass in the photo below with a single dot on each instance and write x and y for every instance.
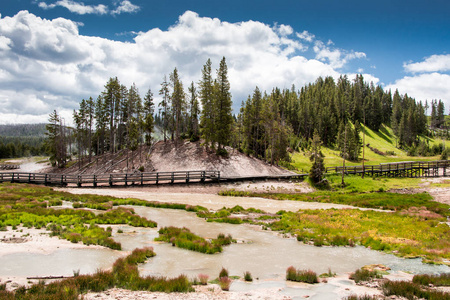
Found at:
(124, 274)
(411, 291)
(361, 297)
(402, 235)
(306, 276)
(203, 278)
(225, 283)
(328, 274)
(184, 238)
(223, 273)
(248, 276)
(378, 200)
(364, 275)
(437, 280)
(27, 205)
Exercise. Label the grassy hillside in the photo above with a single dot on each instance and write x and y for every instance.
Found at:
(384, 140)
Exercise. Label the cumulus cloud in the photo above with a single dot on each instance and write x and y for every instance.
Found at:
(434, 63)
(80, 8)
(305, 35)
(47, 64)
(125, 7)
(77, 7)
(425, 87)
(337, 58)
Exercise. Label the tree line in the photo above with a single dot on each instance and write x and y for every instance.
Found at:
(18, 140)
(120, 119)
(267, 126)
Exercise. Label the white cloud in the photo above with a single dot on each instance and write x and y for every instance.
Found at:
(425, 87)
(77, 7)
(284, 30)
(434, 63)
(124, 6)
(47, 64)
(305, 35)
(336, 57)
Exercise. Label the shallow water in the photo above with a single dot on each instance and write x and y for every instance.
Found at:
(209, 201)
(263, 253)
(59, 263)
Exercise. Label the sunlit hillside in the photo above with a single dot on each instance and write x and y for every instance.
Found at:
(384, 141)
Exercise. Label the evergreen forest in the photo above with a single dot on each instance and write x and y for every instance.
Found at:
(269, 124)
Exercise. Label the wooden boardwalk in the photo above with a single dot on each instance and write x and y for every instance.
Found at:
(112, 179)
(9, 167)
(399, 169)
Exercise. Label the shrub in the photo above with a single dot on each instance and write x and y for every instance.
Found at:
(364, 275)
(184, 238)
(306, 276)
(363, 297)
(248, 276)
(411, 290)
(438, 280)
(203, 279)
(222, 152)
(223, 273)
(224, 283)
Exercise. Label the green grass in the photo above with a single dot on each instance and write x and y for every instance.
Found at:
(384, 140)
(364, 275)
(437, 280)
(30, 206)
(184, 238)
(306, 276)
(377, 200)
(411, 291)
(397, 233)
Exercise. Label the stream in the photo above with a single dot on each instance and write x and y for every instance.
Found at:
(263, 253)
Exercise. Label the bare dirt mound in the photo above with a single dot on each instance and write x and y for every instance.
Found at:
(194, 156)
(168, 157)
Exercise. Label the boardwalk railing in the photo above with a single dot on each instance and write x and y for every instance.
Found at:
(111, 179)
(399, 169)
(9, 167)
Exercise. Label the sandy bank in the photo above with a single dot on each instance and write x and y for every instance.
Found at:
(33, 240)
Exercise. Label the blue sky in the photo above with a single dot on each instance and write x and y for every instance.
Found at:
(53, 53)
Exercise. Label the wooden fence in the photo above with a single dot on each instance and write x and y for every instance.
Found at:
(111, 179)
(398, 169)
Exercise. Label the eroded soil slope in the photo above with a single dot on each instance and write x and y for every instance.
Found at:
(194, 156)
(166, 157)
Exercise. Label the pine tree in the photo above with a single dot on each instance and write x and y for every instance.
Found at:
(316, 156)
(223, 118)
(165, 106)
(148, 122)
(112, 100)
(207, 101)
(178, 103)
(194, 112)
(56, 140)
